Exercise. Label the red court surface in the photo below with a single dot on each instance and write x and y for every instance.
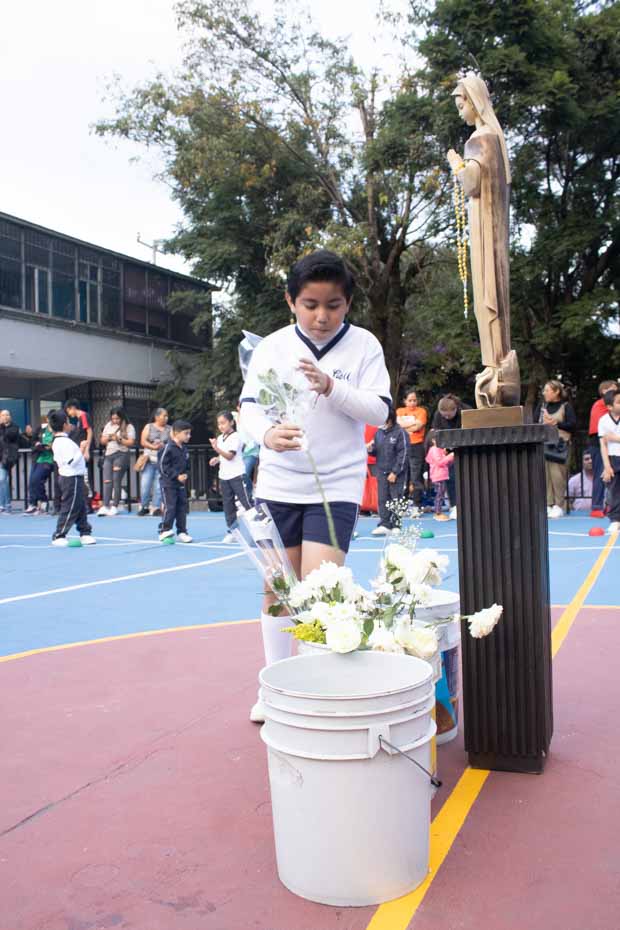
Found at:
(135, 796)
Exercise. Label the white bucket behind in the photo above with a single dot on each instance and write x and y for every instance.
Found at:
(351, 816)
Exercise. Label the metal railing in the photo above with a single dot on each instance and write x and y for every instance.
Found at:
(203, 484)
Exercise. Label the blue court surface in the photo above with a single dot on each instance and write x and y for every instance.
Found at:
(129, 582)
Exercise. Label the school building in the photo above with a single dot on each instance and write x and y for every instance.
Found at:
(80, 320)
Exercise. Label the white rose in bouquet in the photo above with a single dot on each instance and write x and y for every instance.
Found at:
(417, 641)
(482, 622)
(382, 640)
(343, 636)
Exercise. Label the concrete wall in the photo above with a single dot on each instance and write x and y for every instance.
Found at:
(43, 349)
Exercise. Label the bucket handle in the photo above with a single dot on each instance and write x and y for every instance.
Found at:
(435, 782)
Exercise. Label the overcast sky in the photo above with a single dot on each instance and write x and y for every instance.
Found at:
(55, 61)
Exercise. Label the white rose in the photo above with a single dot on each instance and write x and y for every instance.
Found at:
(343, 636)
(382, 640)
(417, 641)
(482, 622)
(421, 594)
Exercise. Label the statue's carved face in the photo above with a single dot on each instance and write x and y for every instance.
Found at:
(465, 107)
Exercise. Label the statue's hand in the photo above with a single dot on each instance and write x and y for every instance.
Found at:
(454, 159)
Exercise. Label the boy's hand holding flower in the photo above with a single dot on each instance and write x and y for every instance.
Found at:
(283, 437)
(319, 380)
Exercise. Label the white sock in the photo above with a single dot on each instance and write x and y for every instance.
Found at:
(277, 645)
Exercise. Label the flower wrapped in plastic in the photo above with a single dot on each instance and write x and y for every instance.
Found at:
(257, 533)
(287, 399)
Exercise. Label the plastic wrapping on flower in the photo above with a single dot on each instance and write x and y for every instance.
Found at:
(256, 532)
(246, 349)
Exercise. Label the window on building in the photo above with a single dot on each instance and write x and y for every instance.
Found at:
(110, 307)
(10, 241)
(158, 324)
(10, 283)
(89, 289)
(63, 296)
(135, 318)
(37, 248)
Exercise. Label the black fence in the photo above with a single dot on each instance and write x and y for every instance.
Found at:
(203, 485)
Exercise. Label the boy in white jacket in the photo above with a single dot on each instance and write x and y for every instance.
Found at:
(345, 367)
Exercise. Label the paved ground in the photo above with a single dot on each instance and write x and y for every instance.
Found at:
(135, 791)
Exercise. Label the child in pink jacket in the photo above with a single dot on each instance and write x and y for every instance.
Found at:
(439, 462)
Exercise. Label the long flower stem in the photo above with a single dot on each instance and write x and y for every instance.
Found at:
(328, 511)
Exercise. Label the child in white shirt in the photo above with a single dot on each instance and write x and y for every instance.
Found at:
(345, 367)
(229, 457)
(71, 471)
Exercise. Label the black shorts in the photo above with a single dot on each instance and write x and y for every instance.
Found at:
(299, 522)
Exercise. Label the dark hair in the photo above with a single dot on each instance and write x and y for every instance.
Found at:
(320, 266)
(56, 420)
(608, 396)
(391, 414)
(410, 390)
(157, 412)
(179, 426)
(71, 402)
(228, 416)
(120, 412)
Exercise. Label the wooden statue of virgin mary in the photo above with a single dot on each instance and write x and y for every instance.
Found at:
(484, 174)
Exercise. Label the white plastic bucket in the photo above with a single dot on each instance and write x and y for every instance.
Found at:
(351, 816)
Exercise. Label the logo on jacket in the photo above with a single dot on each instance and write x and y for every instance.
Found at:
(341, 375)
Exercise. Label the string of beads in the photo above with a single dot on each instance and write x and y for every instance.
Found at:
(461, 236)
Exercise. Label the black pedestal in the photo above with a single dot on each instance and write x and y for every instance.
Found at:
(503, 559)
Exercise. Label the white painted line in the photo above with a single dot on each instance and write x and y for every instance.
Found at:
(94, 584)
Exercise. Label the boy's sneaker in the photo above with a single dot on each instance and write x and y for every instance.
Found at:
(88, 540)
(43, 507)
(257, 714)
(442, 517)
(556, 512)
(157, 512)
(452, 514)
(31, 509)
(167, 534)
(61, 541)
(103, 511)
(614, 527)
(229, 538)
(184, 538)
(380, 531)
(112, 511)
(143, 512)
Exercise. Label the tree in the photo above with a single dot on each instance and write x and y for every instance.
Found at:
(276, 143)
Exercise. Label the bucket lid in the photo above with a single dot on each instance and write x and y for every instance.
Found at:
(362, 674)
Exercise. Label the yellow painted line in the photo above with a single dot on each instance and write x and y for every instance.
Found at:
(398, 914)
(114, 639)
(560, 631)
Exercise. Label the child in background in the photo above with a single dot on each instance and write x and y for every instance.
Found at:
(229, 457)
(345, 367)
(174, 472)
(390, 446)
(609, 433)
(42, 468)
(439, 462)
(71, 470)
